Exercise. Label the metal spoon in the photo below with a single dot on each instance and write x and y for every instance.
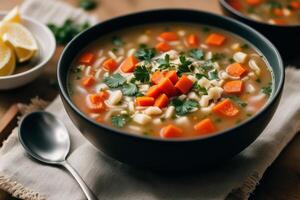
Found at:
(47, 140)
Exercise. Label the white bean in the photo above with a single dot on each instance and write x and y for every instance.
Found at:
(153, 110)
(142, 118)
(240, 57)
(115, 97)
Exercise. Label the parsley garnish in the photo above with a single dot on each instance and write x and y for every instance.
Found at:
(267, 90)
(197, 54)
(199, 76)
(213, 75)
(87, 4)
(205, 29)
(184, 66)
(245, 46)
(238, 101)
(184, 107)
(117, 41)
(129, 89)
(144, 53)
(199, 89)
(164, 63)
(141, 73)
(115, 80)
(208, 65)
(218, 56)
(120, 120)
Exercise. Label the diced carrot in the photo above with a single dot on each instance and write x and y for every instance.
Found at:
(184, 84)
(88, 81)
(95, 98)
(145, 101)
(236, 4)
(100, 119)
(233, 87)
(193, 40)
(154, 91)
(162, 101)
(205, 126)
(157, 77)
(110, 65)
(172, 75)
(167, 87)
(295, 5)
(254, 2)
(98, 107)
(163, 47)
(215, 39)
(171, 131)
(279, 21)
(86, 58)
(128, 65)
(104, 94)
(278, 12)
(236, 70)
(169, 36)
(226, 108)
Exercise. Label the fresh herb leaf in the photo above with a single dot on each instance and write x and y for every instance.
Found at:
(120, 120)
(164, 63)
(129, 89)
(267, 90)
(141, 73)
(218, 56)
(197, 54)
(144, 53)
(87, 4)
(208, 65)
(117, 41)
(213, 75)
(184, 66)
(139, 94)
(206, 29)
(274, 4)
(238, 101)
(199, 89)
(184, 107)
(245, 46)
(199, 76)
(114, 81)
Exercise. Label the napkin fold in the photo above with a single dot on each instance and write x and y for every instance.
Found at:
(25, 178)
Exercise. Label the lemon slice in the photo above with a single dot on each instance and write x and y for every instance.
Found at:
(7, 61)
(13, 16)
(20, 38)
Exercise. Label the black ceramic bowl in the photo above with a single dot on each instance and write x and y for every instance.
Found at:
(162, 154)
(285, 38)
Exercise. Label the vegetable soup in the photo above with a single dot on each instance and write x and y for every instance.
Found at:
(170, 80)
(276, 12)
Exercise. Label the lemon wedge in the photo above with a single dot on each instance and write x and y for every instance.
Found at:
(7, 61)
(13, 16)
(20, 39)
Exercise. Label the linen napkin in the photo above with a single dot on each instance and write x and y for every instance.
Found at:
(25, 178)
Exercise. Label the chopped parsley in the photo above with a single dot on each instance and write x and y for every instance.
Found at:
(245, 46)
(238, 101)
(115, 80)
(184, 65)
(164, 63)
(120, 120)
(184, 107)
(87, 4)
(129, 89)
(206, 29)
(208, 65)
(117, 41)
(197, 54)
(213, 75)
(145, 54)
(199, 76)
(267, 90)
(199, 89)
(218, 56)
(141, 73)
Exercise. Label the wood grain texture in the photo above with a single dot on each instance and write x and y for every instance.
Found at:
(281, 181)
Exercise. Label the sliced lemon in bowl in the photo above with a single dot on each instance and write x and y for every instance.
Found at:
(13, 16)
(19, 37)
(7, 61)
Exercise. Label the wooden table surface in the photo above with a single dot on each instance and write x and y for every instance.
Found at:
(282, 179)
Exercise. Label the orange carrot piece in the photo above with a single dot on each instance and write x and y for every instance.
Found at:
(128, 65)
(193, 40)
(169, 36)
(295, 5)
(233, 87)
(145, 101)
(279, 21)
(184, 84)
(87, 58)
(157, 77)
(236, 4)
(98, 107)
(278, 12)
(236, 70)
(254, 2)
(205, 126)
(167, 87)
(226, 108)
(88, 81)
(95, 98)
(215, 39)
(162, 101)
(163, 47)
(104, 94)
(172, 75)
(171, 131)
(154, 91)
(110, 65)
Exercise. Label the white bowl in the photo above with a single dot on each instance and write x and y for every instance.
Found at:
(47, 45)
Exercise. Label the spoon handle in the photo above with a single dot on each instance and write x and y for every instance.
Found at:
(88, 193)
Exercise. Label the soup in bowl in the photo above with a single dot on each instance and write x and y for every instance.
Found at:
(160, 94)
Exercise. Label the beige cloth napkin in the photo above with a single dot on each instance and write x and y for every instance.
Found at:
(109, 179)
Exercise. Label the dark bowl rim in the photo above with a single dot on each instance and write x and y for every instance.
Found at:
(113, 130)
(225, 5)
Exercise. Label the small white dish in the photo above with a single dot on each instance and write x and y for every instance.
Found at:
(47, 45)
